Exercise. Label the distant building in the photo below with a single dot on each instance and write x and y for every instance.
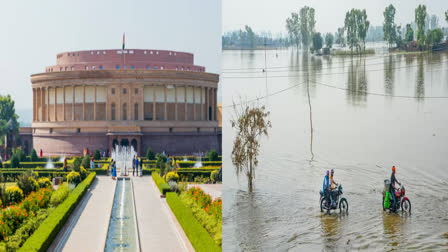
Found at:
(99, 99)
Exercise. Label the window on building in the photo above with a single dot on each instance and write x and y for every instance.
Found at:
(125, 67)
(136, 91)
(125, 90)
(87, 67)
(112, 111)
(171, 130)
(148, 67)
(104, 52)
(97, 52)
(198, 130)
(170, 53)
(113, 90)
(51, 130)
(124, 114)
(161, 68)
(93, 67)
(174, 54)
(136, 111)
(155, 67)
(73, 68)
(150, 52)
(117, 66)
(60, 69)
(132, 66)
(157, 52)
(66, 68)
(78, 130)
(131, 51)
(101, 67)
(144, 52)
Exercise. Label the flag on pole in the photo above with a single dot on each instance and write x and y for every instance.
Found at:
(122, 48)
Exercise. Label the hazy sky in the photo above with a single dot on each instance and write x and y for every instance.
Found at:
(33, 32)
(269, 15)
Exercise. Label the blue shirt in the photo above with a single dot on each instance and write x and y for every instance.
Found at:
(326, 183)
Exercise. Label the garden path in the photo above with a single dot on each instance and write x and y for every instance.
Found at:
(86, 229)
(158, 227)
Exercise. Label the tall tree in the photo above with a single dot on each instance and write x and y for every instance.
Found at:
(293, 28)
(409, 33)
(420, 17)
(446, 16)
(317, 41)
(250, 37)
(363, 27)
(434, 21)
(340, 36)
(329, 40)
(8, 117)
(389, 24)
(306, 22)
(356, 25)
(251, 124)
(351, 28)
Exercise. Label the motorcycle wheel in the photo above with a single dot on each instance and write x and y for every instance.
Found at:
(406, 206)
(343, 205)
(324, 204)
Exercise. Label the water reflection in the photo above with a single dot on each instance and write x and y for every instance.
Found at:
(395, 228)
(332, 229)
(420, 80)
(389, 75)
(357, 81)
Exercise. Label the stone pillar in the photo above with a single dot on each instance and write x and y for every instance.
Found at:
(194, 104)
(175, 106)
(142, 103)
(42, 102)
(201, 110)
(165, 115)
(153, 102)
(94, 105)
(34, 105)
(55, 104)
(207, 101)
(48, 104)
(63, 106)
(83, 102)
(186, 104)
(73, 103)
(214, 104)
(107, 117)
(130, 106)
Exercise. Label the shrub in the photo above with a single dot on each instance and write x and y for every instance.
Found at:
(13, 195)
(83, 173)
(198, 236)
(160, 160)
(86, 162)
(27, 182)
(172, 176)
(15, 161)
(11, 218)
(163, 187)
(213, 155)
(33, 156)
(77, 164)
(37, 200)
(50, 227)
(150, 154)
(74, 177)
(59, 195)
(96, 156)
(214, 176)
(44, 183)
(1, 165)
(174, 187)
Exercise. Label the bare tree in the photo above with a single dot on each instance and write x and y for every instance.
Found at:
(251, 124)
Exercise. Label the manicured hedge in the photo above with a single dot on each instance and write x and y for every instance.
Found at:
(29, 165)
(16, 174)
(198, 236)
(188, 164)
(50, 227)
(193, 174)
(161, 184)
(149, 171)
(42, 159)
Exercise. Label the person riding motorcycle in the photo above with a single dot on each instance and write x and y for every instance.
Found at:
(392, 188)
(326, 185)
(333, 187)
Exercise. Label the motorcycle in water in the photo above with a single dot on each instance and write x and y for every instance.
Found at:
(401, 200)
(338, 201)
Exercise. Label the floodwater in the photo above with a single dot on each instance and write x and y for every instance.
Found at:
(122, 235)
(368, 114)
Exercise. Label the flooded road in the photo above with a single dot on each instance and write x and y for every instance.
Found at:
(368, 114)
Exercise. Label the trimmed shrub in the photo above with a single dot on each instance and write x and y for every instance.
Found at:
(33, 156)
(198, 236)
(83, 173)
(13, 195)
(59, 195)
(86, 162)
(96, 156)
(163, 187)
(172, 176)
(213, 155)
(27, 182)
(74, 177)
(160, 160)
(214, 176)
(50, 227)
(77, 164)
(150, 154)
(44, 183)
(15, 161)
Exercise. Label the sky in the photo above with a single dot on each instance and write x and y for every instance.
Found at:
(269, 15)
(33, 32)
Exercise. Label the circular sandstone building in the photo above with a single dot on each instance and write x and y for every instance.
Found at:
(100, 99)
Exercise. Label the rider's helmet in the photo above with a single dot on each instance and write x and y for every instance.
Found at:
(393, 169)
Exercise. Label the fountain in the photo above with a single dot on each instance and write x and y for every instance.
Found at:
(122, 234)
(185, 159)
(198, 163)
(61, 159)
(49, 164)
(123, 157)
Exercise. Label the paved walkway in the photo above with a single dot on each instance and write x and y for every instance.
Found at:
(159, 230)
(214, 190)
(86, 229)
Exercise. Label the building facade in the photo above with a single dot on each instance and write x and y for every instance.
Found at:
(100, 99)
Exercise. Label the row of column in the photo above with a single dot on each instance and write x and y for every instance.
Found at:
(210, 102)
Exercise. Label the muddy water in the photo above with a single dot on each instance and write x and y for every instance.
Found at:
(359, 135)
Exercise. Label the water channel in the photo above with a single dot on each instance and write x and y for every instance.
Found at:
(368, 114)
